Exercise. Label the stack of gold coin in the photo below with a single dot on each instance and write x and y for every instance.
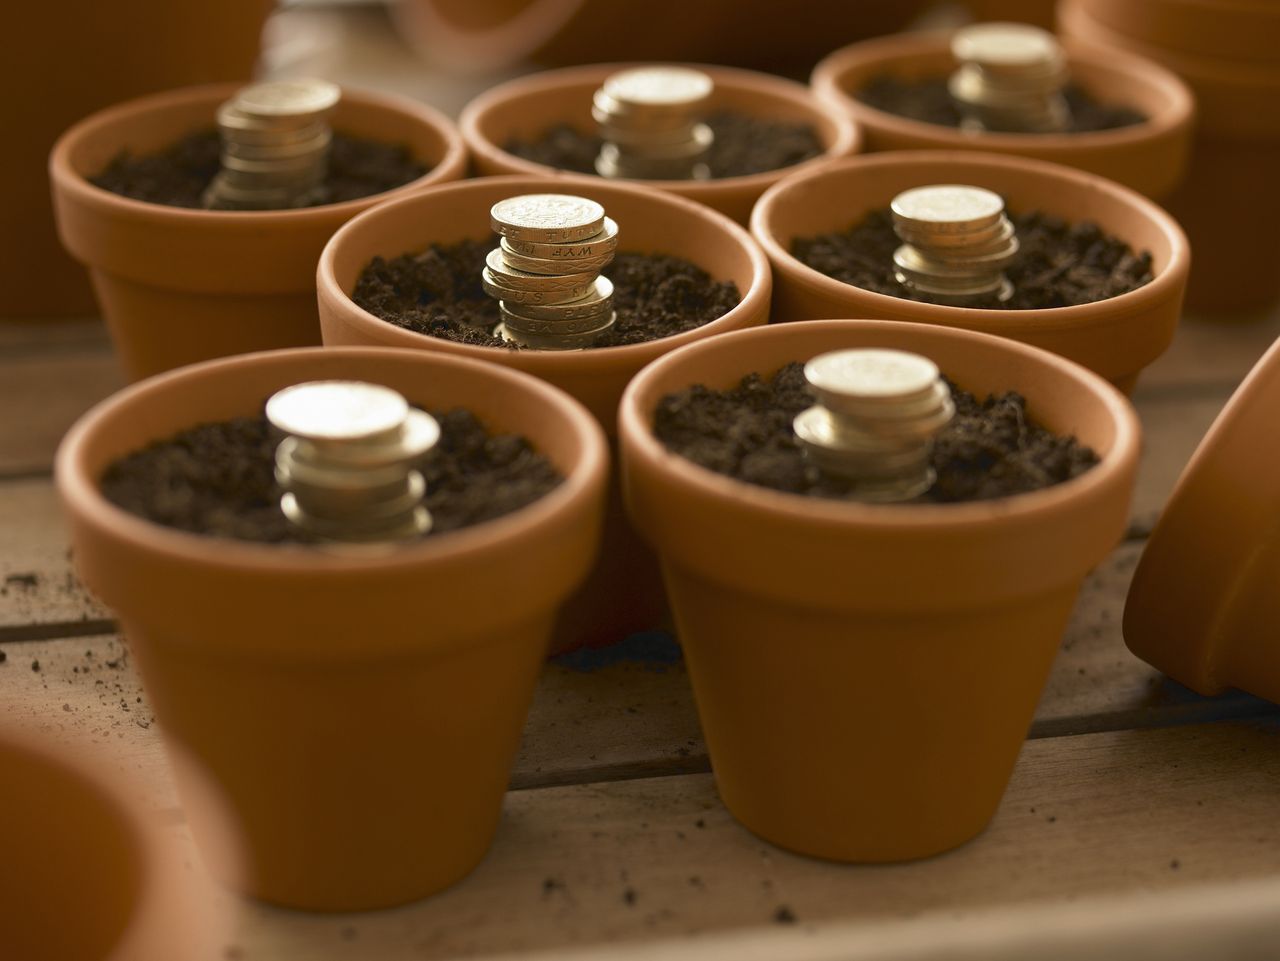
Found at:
(1010, 78)
(347, 464)
(545, 272)
(275, 145)
(957, 243)
(651, 122)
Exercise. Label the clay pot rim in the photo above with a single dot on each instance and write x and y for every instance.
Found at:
(1007, 322)
(754, 299)
(827, 81)
(82, 495)
(452, 165)
(635, 418)
(158, 898)
(849, 138)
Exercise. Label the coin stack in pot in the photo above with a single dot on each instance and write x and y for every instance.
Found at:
(348, 461)
(1010, 78)
(545, 272)
(275, 146)
(956, 243)
(651, 122)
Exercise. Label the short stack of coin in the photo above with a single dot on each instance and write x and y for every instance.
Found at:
(348, 461)
(1010, 78)
(545, 273)
(956, 243)
(651, 122)
(275, 145)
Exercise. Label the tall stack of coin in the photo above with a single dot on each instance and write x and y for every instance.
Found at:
(957, 243)
(1010, 78)
(877, 414)
(545, 273)
(651, 122)
(347, 464)
(275, 145)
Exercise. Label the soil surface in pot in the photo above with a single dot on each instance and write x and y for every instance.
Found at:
(437, 292)
(219, 479)
(178, 175)
(989, 449)
(1059, 264)
(743, 145)
(927, 99)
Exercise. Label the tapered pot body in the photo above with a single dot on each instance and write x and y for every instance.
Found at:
(89, 872)
(1225, 52)
(1149, 157)
(624, 593)
(178, 285)
(1115, 338)
(527, 107)
(865, 674)
(1202, 606)
(156, 45)
(360, 710)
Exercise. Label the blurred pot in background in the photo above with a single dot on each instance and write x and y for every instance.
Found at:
(84, 55)
(484, 34)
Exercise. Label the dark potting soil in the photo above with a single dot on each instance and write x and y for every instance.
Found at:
(438, 292)
(178, 175)
(1058, 264)
(989, 449)
(219, 479)
(927, 99)
(743, 145)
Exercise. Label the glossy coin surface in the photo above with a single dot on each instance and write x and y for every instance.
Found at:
(518, 279)
(997, 46)
(605, 242)
(948, 208)
(658, 86)
(337, 410)
(547, 218)
(871, 373)
(596, 300)
(288, 98)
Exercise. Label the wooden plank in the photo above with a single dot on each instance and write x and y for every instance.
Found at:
(20, 338)
(1096, 815)
(1207, 351)
(42, 396)
(1225, 922)
(40, 596)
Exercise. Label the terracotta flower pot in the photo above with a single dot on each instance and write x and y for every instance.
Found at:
(1236, 152)
(1149, 157)
(1203, 606)
(624, 593)
(865, 674)
(179, 286)
(1115, 338)
(109, 57)
(89, 875)
(359, 712)
(530, 105)
(488, 34)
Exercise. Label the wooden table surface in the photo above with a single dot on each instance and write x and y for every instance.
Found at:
(1141, 821)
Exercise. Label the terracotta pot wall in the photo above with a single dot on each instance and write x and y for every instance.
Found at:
(1235, 77)
(865, 674)
(359, 711)
(67, 60)
(179, 286)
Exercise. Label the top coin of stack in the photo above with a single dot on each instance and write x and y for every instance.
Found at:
(957, 243)
(1010, 78)
(545, 272)
(650, 119)
(275, 145)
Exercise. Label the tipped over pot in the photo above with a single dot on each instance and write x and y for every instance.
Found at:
(865, 673)
(179, 285)
(360, 710)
